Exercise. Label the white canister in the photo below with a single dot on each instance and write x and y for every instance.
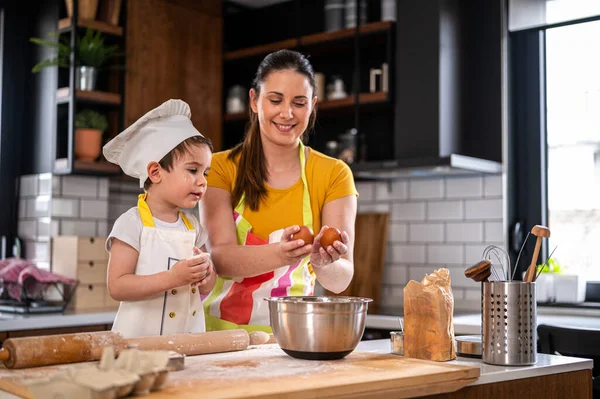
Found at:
(351, 12)
(388, 10)
(320, 80)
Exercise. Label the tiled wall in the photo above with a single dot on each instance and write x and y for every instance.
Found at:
(437, 222)
(51, 205)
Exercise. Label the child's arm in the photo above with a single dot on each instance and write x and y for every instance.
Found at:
(124, 285)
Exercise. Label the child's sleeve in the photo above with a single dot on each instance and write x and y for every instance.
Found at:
(128, 229)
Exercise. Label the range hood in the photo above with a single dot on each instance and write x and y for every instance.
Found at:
(452, 165)
(448, 104)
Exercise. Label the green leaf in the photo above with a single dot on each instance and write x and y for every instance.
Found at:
(89, 119)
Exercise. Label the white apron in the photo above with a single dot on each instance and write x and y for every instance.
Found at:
(176, 311)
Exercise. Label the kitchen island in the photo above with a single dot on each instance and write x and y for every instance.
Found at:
(369, 372)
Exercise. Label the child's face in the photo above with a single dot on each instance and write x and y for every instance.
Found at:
(185, 184)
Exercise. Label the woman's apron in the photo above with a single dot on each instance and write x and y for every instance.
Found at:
(176, 311)
(239, 302)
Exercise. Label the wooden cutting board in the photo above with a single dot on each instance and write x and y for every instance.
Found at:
(267, 372)
(371, 236)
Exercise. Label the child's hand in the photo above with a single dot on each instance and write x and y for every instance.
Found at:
(209, 270)
(191, 270)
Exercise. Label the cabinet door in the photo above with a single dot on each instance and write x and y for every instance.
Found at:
(174, 50)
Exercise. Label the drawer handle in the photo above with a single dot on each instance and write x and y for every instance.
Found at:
(90, 287)
(91, 263)
(91, 240)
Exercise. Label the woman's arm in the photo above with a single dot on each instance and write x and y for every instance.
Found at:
(233, 260)
(125, 285)
(337, 275)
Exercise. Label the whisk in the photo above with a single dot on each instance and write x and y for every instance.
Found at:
(502, 257)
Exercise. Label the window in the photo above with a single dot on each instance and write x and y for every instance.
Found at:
(573, 145)
(554, 139)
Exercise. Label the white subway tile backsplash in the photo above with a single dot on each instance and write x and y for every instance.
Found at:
(56, 185)
(407, 211)
(102, 229)
(474, 253)
(43, 228)
(473, 294)
(396, 275)
(37, 251)
(38, 206)
(397, 232)
(493, 186)
(365, 192)
(445, 210)
(371, 207)
(392, 190)
(116, 210)
(422, 232)
(45, 184)
(485, 209)
(458, 279)
(77, 228)
(54, 228)
(65, 207)
(407, 253)
(466, 187)
(445, 254)
(417, 273)
(426, 189)
(28, 185)
(79, 186)
(94, 209)
(494, 232)
(103, 187)
(464, 232)
(392, 297)
(27, 229)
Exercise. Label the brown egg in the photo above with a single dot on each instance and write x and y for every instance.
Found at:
(304, 234)
(329, 236)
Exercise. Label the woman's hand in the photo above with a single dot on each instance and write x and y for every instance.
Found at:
(291, 251)
(323, 256)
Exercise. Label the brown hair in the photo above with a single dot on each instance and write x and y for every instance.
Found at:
(252, 168)
(168, 160)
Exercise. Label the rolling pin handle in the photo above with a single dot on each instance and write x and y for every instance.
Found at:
(4, 355)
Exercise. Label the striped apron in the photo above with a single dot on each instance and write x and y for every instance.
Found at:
(239, 302)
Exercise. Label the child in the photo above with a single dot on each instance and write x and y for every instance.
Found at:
(156, 268)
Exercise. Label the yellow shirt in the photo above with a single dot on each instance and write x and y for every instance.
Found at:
(328, 179)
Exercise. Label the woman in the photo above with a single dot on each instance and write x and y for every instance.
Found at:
(272, 184)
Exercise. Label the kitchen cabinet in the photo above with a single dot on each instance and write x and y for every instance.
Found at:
(446, 74)
(105, 98)
(174, 50)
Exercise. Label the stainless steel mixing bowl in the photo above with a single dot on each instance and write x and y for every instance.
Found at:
(318, 328)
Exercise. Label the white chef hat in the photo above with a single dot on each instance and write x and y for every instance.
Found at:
(150, 138)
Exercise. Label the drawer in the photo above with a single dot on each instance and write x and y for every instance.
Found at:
(91, 248)
(92, 272)
(88, 296)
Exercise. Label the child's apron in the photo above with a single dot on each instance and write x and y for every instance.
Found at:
(176, 311)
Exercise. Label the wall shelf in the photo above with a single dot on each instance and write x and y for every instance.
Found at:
(65, 25)
(61, 167)
(99, 97)
(317, 38)
(347, 102)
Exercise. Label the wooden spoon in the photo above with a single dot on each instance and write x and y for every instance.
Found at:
(539, 232)
(479, 272)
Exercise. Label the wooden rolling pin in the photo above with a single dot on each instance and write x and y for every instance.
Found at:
(83, 347)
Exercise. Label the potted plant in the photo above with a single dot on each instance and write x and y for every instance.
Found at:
(89, 127)
(91, 54)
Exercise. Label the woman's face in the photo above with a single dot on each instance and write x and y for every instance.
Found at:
(283, 106)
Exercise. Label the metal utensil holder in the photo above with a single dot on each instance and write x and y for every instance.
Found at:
(509, 323)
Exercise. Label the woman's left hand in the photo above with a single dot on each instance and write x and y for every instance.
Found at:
(323, 256)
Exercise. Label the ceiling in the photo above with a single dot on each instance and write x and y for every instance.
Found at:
(256, 3)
